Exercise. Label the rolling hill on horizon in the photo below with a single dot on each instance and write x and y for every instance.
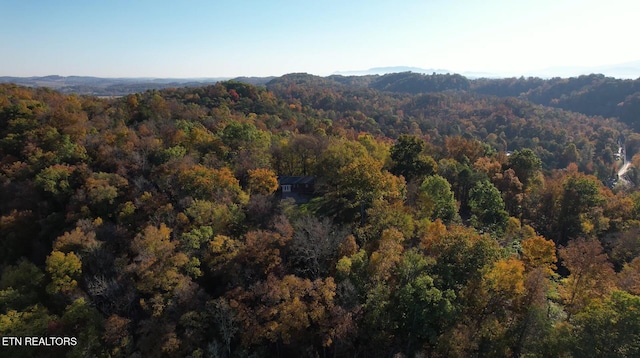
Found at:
(593, 94)
(116, 86)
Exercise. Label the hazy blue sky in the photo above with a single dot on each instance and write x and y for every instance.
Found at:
(193, 38)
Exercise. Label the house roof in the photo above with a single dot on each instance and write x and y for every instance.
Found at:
(291, 180)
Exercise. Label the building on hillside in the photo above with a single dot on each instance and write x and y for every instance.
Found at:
(301, 189)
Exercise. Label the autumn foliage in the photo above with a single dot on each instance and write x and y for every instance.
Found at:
(441, 224)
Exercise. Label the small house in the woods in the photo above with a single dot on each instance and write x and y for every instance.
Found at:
(301, 189)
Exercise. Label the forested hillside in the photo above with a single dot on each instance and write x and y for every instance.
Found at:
(594, 95)
(445, 222)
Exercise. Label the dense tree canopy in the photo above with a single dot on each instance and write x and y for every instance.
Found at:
(441, 222)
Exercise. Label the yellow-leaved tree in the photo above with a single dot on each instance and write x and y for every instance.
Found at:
(262, 181)
(65, 270)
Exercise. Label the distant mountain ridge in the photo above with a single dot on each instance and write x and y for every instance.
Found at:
(99, 86)
(391, 69)
(626, 70)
